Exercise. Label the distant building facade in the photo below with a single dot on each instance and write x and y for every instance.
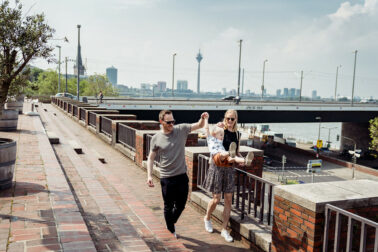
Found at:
(286, 92)
(182, 85)
(112, 74)
(161, 86)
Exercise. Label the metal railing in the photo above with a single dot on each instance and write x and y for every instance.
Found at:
(82, 114)
(354, 223)
(106, 126)
(69, 108)
(252, 195)
(126, 136)
(92, 119)
(148, 149)
(74, 110)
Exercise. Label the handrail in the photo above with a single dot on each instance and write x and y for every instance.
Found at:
(126, 136)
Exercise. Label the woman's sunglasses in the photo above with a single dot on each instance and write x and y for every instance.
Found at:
(230, 118)
(170, 122)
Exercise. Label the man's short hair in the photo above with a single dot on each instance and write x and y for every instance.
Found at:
(163, 113)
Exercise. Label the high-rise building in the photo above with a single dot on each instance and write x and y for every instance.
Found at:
(224, 91)
(286, 92)
(297, 92)
(314, 95)
(182, 85)
(278, 92)
(112, 74)
(161, 86)
(292, 92)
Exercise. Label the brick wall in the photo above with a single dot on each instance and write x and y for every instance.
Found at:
(297, 228)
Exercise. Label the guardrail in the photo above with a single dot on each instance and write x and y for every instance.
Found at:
(252, 194)
(82, 114)
(354, 221)
(126, 136)
(106, 126)
(148, 149)
(74, 110)
(92, 119)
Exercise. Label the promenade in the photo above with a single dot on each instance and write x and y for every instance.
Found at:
(65, 201)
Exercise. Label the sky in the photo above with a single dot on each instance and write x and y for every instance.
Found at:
(139, 38)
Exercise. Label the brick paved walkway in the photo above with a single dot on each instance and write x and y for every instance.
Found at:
(65, 201)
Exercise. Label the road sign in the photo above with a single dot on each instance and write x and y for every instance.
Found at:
(319, 144)
(314, 165)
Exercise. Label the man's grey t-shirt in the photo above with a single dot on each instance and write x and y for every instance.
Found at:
(171, 148)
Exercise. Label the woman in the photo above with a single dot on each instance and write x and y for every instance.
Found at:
(222, 179)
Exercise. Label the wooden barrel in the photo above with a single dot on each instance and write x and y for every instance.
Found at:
(8, 120)
(17, 105)
(8, 150)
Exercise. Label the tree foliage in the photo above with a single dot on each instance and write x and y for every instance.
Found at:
(373, 128)
(22, 38)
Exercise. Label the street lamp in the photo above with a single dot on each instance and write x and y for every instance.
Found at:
(66, 60)
(59, 47)
(354, 155)
(173, 73)
(354, 74)
(337, 73)
(329, 133)
(318, 142)
(240, 46)
(262, 85)
(77, 61)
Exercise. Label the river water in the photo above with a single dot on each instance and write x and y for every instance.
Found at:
(307, 132)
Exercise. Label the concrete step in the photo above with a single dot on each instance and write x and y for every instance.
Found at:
(53, 138)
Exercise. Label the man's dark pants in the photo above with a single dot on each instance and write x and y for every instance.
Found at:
(175, 192)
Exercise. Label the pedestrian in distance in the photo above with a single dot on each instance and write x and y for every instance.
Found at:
(221, 178)
(170, 143)
(100, 96)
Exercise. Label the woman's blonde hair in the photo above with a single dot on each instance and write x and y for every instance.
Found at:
(235, 128)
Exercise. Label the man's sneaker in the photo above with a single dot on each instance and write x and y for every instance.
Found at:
(232, 149)
(208, 225)
(176, 236)
(249, 158)
(226, 235)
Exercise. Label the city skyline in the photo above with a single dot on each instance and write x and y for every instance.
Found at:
(139, 38)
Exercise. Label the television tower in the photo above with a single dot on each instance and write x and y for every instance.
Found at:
(199, 58)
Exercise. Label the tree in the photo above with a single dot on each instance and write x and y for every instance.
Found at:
(97, 83)
(373, 128)
(22, 38)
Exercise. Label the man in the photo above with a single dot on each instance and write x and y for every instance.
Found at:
(170, 142)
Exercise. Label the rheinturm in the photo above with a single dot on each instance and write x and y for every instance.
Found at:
(199, 58)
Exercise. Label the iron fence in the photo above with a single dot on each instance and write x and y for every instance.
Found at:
(74, 110)
(82, 114)
(69, 108)
(92, 119)
(106, 126)
(356, 228)
(126, 136)
(252, 195)
(148, 149)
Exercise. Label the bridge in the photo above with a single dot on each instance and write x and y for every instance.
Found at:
(186, 110)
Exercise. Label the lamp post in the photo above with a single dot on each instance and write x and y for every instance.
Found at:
(354, 155)
(329, 133)
(337, 73)
(300, 89)
(240, 47)
(263, 75)
(317, 143)
(173, 73)
(59, 47)
(66, 60)
(354, 74)
(77, 61)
